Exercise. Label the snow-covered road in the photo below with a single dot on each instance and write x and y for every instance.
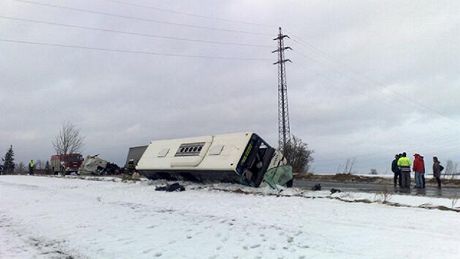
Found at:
(42, 217)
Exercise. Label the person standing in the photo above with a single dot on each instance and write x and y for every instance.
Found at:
(131, 167)
(396, 171)
(437, 168)
(423, 175)
(31, 167)
(419, 169)
(404, 165)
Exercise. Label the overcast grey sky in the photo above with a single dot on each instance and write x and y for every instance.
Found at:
(368, 79)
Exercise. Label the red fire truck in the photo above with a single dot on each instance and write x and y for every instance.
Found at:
(66, 164)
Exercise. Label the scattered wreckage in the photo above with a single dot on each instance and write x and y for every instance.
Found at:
(94, 165)
(243, 158)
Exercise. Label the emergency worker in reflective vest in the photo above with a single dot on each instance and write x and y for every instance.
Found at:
(31, 167)
(404, 165)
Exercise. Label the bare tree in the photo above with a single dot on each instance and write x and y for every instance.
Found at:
(384, 196)
(349, 165)
(455, 172)
(298, 155)
(38, 164)
(21, 168)
(449, 170)
(69, 140)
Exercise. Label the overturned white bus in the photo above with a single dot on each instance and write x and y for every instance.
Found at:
(239, 157)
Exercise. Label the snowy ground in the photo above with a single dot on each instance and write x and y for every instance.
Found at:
(43, 217)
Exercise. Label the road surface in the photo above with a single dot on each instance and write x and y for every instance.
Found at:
(430, 191)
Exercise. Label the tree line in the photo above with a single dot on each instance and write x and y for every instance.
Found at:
(68, 140)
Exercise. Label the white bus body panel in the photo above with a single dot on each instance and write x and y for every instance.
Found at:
(219, 153)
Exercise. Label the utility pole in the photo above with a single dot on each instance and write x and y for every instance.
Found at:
(284, 131)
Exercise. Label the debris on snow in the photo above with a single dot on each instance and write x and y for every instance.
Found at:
(175, 187)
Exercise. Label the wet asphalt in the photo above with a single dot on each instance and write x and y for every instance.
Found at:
(430, 191)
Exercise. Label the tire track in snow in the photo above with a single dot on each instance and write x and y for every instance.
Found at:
(17, 243)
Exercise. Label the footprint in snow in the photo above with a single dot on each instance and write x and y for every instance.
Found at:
(158, 254)
(255, 246)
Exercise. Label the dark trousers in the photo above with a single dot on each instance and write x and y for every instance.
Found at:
(397, 179)
(438, 179)
(405, 179)
(423, 181)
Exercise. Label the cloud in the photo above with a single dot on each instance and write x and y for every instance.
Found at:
(368, 79)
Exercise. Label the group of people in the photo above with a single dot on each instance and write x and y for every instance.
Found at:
(401, 167)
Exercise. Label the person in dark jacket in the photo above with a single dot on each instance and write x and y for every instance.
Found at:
(437, 168)
(396, 171)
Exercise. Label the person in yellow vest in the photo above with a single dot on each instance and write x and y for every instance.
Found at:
(404, 165)
(31, 167)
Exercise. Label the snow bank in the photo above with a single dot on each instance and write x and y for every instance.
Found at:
(57, 217)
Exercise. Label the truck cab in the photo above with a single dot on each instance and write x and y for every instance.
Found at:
(66, 163)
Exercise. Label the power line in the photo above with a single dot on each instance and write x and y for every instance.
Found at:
(444, 146)
(442, 137)
(382, 87)
(133, 33)
(129, 51)
(399, 96)
(387, 102)
(188, 14)
(139, 18)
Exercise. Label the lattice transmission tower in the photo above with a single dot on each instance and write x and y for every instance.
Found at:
(284, 131)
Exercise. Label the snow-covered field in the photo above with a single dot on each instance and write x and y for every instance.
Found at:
(44, 217)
